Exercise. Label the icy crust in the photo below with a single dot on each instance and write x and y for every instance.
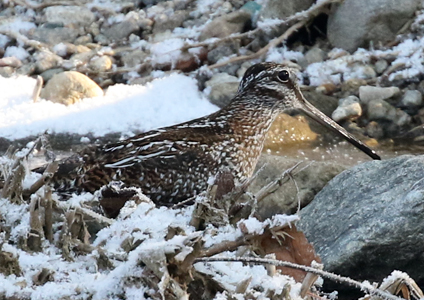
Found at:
(145, 225)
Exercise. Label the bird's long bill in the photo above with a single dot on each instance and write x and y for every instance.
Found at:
(321, 118)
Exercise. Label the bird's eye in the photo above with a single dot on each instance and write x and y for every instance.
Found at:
(284, 76)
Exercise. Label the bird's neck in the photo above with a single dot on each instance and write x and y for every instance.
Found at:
(250, 119)
(247, 125)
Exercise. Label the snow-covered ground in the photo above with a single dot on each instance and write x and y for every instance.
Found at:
(82, 277)
(124, 108)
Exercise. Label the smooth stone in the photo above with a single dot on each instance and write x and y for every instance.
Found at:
(367, 221)
(53, 36)
(78, 15)
(121, 30)
(70, 87)
(100, 63)
(314, 55)
(368, 93)
(374, 130)
(380, 66)
(48, 74)
(348, 108)
(277, 9)
(134, 58)
(225, 25)
(46, 60)
(169, 21)
(223, 88)
(382, 110)
(222, 51)
(7, 71)
(412, 98)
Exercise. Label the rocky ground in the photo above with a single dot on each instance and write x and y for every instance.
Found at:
(360, 62)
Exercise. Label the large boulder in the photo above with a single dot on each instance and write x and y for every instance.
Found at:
(356, 23)
(369, 220)
(309, 177)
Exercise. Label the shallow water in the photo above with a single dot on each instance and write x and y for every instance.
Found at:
(342, 152)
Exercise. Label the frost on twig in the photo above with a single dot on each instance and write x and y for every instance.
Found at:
(377, 293)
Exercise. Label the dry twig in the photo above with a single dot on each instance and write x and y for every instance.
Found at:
(274, 185)
(264, 50)
(314, 10)
(21, 38)
(364, 287)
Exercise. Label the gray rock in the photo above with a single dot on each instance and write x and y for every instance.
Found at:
(223, 87)
(46, 60)
(121, 30)
(368, 220)
(376, 21)
(83, 40)
(169, 21)
(412, 98)
(67, 15)
(70, 87)
(368, 93)
(380, 66)
(7, 71)
(420, 87)
(277, 9)
(225, 25)
(10, 61)
(133, 58)
(366, 71)
(285, 200)
(100, 63)
(47, 75)
(56, 35)
(382, 110)
(222, 51)
(26, 69)
(314, 55)
(374, 130)
(348, 108)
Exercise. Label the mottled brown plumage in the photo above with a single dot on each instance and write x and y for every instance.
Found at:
(174, 163)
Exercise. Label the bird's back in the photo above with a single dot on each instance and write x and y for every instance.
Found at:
(169, 164)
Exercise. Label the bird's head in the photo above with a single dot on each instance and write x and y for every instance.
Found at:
(276, 86)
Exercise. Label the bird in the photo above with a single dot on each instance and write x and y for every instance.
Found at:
(171, 164)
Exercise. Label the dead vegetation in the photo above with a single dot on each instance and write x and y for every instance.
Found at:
(183, 262)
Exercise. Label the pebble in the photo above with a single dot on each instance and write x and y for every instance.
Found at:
(314, 55)
(225, 25)
(412, 98)
(349, 108)
(69, 15)
(119, 31)
(368, 93)
(381, 110)
(100, 63)
(46, 60)
(133, 58)
(380, 66)
(374, 130)
(222, 87)
(53, 36)
(70, 87)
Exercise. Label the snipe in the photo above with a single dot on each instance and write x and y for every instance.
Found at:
(174, 163)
